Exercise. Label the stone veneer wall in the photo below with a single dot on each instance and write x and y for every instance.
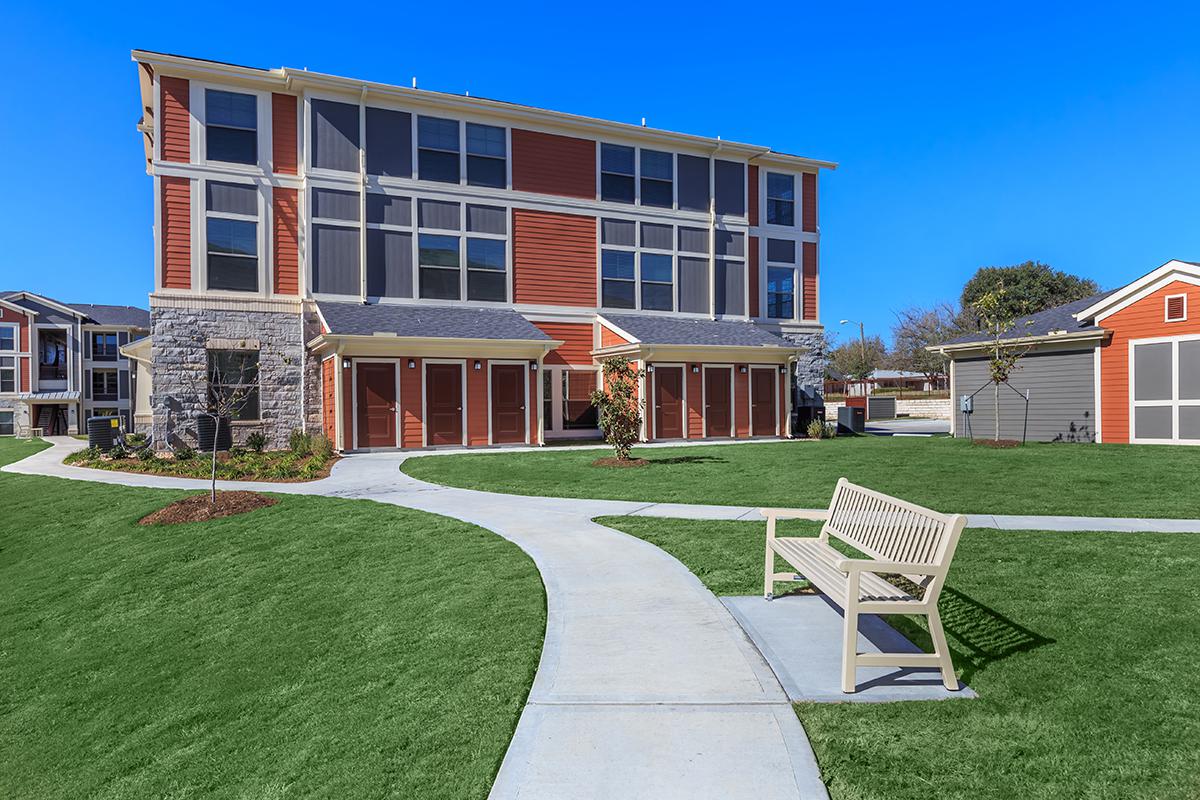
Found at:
(181, 336)
(21, 423)
(810, 366)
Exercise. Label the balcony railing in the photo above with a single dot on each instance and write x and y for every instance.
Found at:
(52, 372)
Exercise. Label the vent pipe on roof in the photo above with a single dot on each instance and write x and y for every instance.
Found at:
(643, 122)
(414, 81)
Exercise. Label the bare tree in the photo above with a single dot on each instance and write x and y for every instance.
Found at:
(1004, 349)
(915, 331)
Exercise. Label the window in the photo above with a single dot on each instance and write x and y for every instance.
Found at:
(7, 427)
(657, 281)
(230, 127)
(578, 413)
(1176, 308)
(437, 149)
(730, 278)
(781, 199)
(637, 265)
(730, 192)
(334, 135)
(8, 374)
(104, 384)
(438, 259)
(52, 355)
(658, 179)
(8, 338)
(616, 173)
(389, 246)
(617, 279)
(104, 346)
(233, 380)
(389, 143)
(335, 245)
(487, 146)
(487, 253)
(232, 236)
(781, 292)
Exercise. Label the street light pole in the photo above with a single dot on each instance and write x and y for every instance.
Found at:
(862, 348)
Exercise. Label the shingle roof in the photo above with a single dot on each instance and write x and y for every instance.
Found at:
(440, 322)
(130, 316)
(1059, 318)
(652, 329)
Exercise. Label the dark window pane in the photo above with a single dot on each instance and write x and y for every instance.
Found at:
(438, 251)
(439, 284)
(616, 158)
(483, 171)
(335, 135)
(656, 164)
(232, 273)
(232, 236)
(487, 286)
(616, 264)
(230, 109)
(617, 294)
(389, 210)
(485, 140)
(656, 267)
(730, 187)
(781, 187)
(782, 251)
(657, 193)
(334, 204)
(438, 133)
(781, 212)
(8, 338)
(231, 144)
(656, 296)
(389, 143)
(616, 188)
(435, 165)
(485, 254)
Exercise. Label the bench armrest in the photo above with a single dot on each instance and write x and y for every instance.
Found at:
(849, 565)
(818, 514)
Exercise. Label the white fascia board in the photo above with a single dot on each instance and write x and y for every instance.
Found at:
(46, 301)
(1036, 341)
(626, 335)
(1132, 292)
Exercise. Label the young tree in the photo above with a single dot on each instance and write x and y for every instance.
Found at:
(1004, 347)
(916, 329)
(619, 406)
(1027, 288)
(220, 390)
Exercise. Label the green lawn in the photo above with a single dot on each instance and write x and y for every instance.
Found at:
(1082, 646)
(317, 648)
(946, 474)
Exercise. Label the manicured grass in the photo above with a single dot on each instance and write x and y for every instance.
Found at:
(1082, 647)
(317, 648)
(949, 475)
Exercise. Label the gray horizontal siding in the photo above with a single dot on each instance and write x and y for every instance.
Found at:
(1062, 401)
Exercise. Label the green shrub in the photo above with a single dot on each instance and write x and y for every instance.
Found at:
(135, 440)
(184, 452)
(322, 448)
(118, 452)
(300, 443)
(145, 455)
(256, 441)
(821, 430)
(87, 454)
(237, 451)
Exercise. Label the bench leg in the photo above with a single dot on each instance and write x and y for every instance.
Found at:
(850, 636)
(769, 566)
(942, 651)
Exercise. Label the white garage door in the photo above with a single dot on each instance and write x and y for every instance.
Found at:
(1165, 402)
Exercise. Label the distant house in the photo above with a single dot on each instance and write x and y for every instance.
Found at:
(1122, 366)
(60, 363)
(838, 383)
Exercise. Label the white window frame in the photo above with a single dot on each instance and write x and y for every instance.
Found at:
(797, 278)
(1167, 308)
(333, 222)
(462, 148)
(199, 128)
(262, 237)
(501, 237)
(16, 331)
(116, 384)
(764, 210)
(744, 260)
(15, 369)
(1174, 403)
(507, 157)
(552, 428)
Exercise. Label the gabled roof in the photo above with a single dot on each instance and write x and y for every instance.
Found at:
(1131, 292)
(427, 322)
(117, 316)
(654, 329)
(43, 300)
(1051, 322)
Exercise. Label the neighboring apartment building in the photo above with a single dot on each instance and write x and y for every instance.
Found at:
(60, 363)
(404, 268)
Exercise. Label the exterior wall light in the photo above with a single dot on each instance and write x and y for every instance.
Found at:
(742, 369)
(650, 368)
(412, 364)
(345, 363)
(533, 366)
(695, 368)
(478, 365)
(783, 370)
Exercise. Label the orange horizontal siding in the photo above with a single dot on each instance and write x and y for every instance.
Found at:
(752, 266)
(554, 258)
(328, 400)
(808, 201)
(176, 232)
(550, 164)
(283, 133)
(285, 215)
(174, 119)
(809, 255)
(752, 206)
(577, 341)
(610, 338)
(411, 392)
(477, 402)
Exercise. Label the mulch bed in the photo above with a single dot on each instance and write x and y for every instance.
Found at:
(197, 508)
(620, 463)
(998, 443)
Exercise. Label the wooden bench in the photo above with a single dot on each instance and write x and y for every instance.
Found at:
(898, 538)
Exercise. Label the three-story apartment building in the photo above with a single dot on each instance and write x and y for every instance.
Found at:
(406, 268)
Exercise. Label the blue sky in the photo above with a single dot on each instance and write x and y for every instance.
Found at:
(968, 134)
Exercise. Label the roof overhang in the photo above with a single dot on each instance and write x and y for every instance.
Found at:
(1079, 337)
(49, 397)
(46, 301)
(384, 345)
(138, 350)
(287, 79)
(1146, 285)
(701, 353)
(29, 312)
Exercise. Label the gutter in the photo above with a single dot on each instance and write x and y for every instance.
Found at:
(947, 349)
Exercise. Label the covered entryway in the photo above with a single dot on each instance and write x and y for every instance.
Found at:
(508, 398)
(1165, 381)
(376, 389)
(444, 404)
(718, 402)
(669, 413)
(764, 418)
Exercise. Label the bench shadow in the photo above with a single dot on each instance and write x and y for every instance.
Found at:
(689, 460)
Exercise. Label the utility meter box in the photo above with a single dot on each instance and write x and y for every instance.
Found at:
(966, 404)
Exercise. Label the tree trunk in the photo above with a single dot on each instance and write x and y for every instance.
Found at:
(996, 398)
(212, 494)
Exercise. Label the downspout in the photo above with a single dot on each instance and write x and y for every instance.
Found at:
(712, 230)
(339, 434)
(362, 195)
(303, 376)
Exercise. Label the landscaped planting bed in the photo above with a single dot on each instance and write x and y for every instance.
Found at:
(1082, 647)
(316, 648)
(949, 475)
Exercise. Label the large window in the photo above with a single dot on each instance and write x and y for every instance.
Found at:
(658, 179)
(8, 374)
(7, 428)
(487, 147)
(335, 135)
(8, 338)
(232, 236)
(781, 292)
(438, 258)
(230, 127)
(104, 346)
(637, 265)
(781, 199)
(578, 413)
(335, 246)
(437, 149)
(104, 384)
(618, 279)
(617, 173)
(487, 253)
(233, 380)
(389, 246)
(52, 355)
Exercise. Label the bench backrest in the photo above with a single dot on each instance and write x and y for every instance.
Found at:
(887, 528)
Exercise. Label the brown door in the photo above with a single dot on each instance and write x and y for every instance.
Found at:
(668, 402)
(443, 404)
(762, 402)
(716, 402)
(376, 393)
(508, 404)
